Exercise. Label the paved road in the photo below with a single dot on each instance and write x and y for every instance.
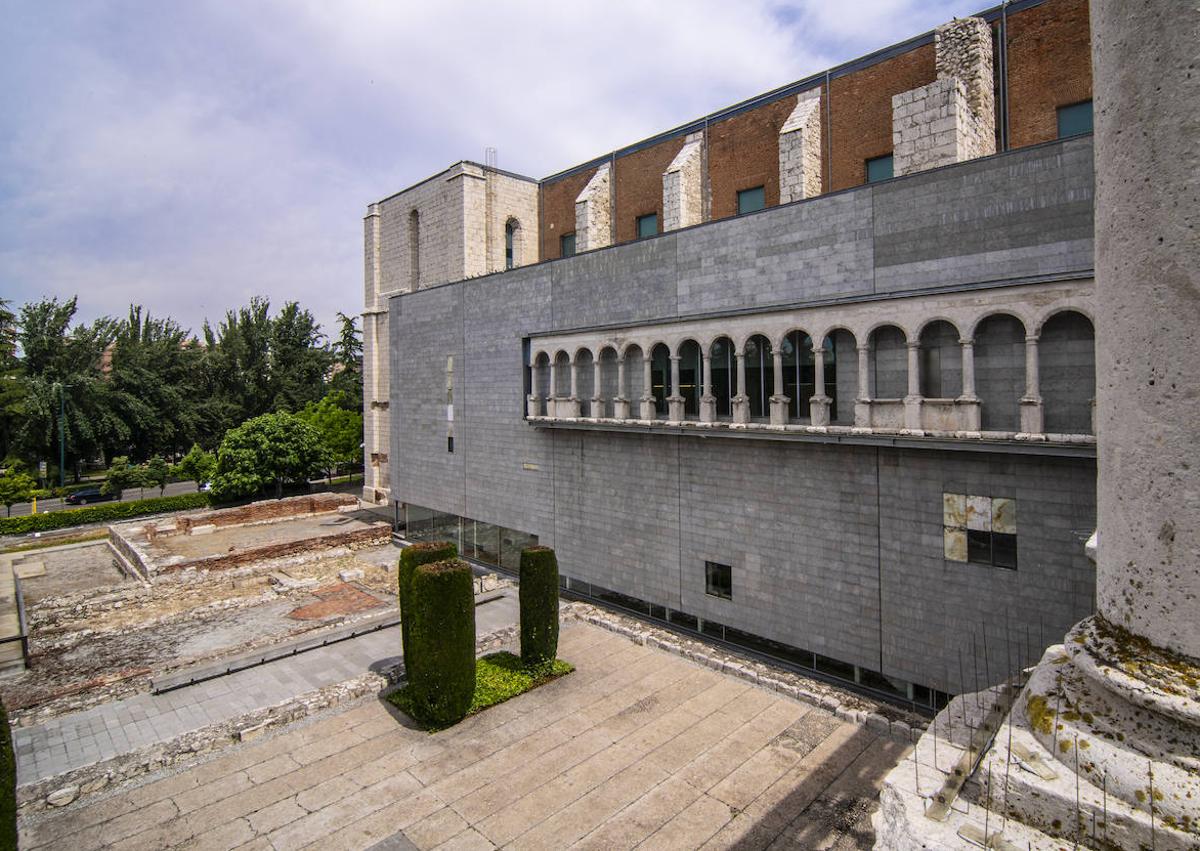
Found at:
(102, 732)
(132, 494)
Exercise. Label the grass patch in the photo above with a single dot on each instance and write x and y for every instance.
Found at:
(97, 535)
(498, 677)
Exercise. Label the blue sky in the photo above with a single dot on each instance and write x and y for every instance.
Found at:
(190, 155)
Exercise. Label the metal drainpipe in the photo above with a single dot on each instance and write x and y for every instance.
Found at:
(1004, 75)
(828, 136)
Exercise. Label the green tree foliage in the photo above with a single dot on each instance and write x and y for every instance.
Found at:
(122, 475)
(157, 473)
(197, 465)
(272, 449)
(412, 557)
(539, 606)
(341, 429)
(12, 388)
(441, 661)
(347, 354)
(16, 486)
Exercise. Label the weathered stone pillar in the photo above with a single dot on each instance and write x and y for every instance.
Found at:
(779, 402)
(683, 199)
(597, 410)
(593, 213)
(862, 405)
(968, 402)
(1031, 402)
(741, 402)
(912, 401)
(818, 405)
(621, 401)
(708, 402)
(552, 402)
(800, 150)
(533, 405)
(675, 400)
(649, 410)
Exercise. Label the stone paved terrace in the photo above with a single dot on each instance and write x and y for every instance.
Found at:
(637, 748)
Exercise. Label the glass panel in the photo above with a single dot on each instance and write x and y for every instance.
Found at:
(979, 546)
(879, 168)
(790, 374)
(758, 375)
(486, 544)
(511, 544)
(749, 200)
(714, 629)
(718, 580)
(1004, 550)
(647, 225)
(722, 375)
(566, 244)
(831, 376)
(1074, 119)
(795, 655)
(660, 375)
(690, 377)
(682, 619)
(833, 667)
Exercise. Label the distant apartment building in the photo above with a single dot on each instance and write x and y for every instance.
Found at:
(813, 374)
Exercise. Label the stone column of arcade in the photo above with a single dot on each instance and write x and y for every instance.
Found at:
(1101, 746)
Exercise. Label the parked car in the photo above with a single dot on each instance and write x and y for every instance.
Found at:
(83, 497)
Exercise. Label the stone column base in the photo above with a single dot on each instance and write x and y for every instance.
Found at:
(969, 414)
(779, 410)
(533, 406)
(819, 411)
(675, 409)
(741, 409)
(708, 409)
(621, 408)
(596, 411)
(912, 415)
(1032, 426)
(648, 409)
(569, 408)
(862, 413)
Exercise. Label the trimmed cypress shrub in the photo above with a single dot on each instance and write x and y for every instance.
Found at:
(410, 557)
(441, 666)
(8, 787)
(539, 606)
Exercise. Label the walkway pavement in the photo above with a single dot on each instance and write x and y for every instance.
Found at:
(638, 747)
(102, 732)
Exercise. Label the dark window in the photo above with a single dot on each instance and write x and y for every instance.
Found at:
(718, 580)
(879, 168)
(1075, 119)
(566, 244)
(449, 443)
(647, 225)
(750, 200)
(510, 231)
(994, 548)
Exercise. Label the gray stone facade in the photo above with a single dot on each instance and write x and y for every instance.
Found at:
(836, 545)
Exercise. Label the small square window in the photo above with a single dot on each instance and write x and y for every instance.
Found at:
(647, 225)
(750, 200)
(1004, 550)
(879, 168)
(1075, 119)
(979, 546)
(718, 580)
(566, 244)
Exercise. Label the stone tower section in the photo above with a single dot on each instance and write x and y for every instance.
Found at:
(953, 118)
(800, 150)
(683, 198)
(593, 212)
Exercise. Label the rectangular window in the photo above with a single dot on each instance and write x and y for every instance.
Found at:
(1075, 119)
(718, 580)
(750, 200)
(879, 168)
(647, 225)
(566, 245)
(980, 529)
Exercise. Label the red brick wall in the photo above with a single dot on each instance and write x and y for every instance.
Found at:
(269, 509)
(743, 152)
(861, 111)
(558, 210)
(1049, 65)
(639, 185)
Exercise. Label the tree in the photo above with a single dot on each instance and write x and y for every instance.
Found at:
(123, 475)
(157, 473)
(299, 364)
(197, 465)
(270, 449)
(12, 388)
(347, 353)
(16, 486)
(341, 430)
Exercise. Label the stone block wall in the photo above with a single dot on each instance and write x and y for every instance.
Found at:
(510, 198)
(593, 212)
(439, 205)
(800, 150)
(682, 187)
(963, 49)
(934, 126)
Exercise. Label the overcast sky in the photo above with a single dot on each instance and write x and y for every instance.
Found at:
(189, 155)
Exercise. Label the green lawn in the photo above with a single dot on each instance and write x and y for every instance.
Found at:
(498, 677)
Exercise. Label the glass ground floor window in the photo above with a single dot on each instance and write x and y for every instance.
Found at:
(486, 543)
